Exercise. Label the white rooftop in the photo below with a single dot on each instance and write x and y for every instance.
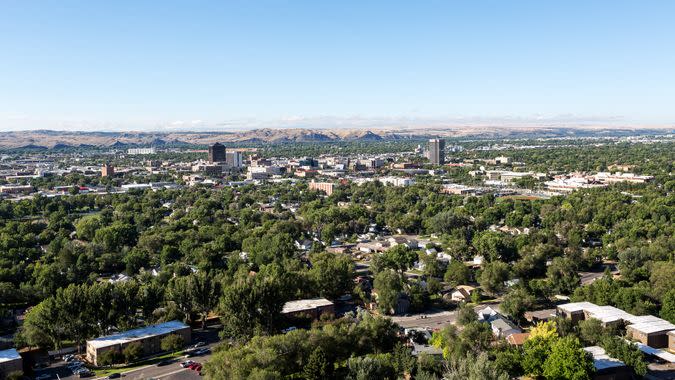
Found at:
(646, 324)
(9, 355)
(601, 360)
(576, 306)
(665, 355)
(608, 313)
(136, 334)
(307, 304)
(652, 327)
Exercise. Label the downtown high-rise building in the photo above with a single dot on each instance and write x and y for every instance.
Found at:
(436, 151)
(217, 153)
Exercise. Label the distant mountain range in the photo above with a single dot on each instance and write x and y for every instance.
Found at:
(48, 139)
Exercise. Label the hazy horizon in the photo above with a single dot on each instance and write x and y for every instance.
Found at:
(77, 65)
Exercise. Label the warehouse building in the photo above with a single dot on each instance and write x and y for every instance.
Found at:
(149, 337)
(10, 361)
(313, 307)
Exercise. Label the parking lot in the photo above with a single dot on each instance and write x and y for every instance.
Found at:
(168, 371)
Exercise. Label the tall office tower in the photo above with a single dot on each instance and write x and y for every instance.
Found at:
(107, 170)
(234, 159)
(217, 153)
(436, 153)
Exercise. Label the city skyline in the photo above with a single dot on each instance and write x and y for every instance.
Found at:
(226, 66)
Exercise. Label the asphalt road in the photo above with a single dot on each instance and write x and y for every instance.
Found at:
(430, 320)
(168, 372)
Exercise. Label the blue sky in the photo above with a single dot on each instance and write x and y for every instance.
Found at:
(221, 64)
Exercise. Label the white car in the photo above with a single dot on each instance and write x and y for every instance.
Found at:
(186, 363)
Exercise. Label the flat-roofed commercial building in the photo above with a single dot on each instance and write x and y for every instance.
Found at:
(10, 361)
(652, 333)
(646, 329)
(326, 187)
(149, 337)
(574, 310)
(313, 307)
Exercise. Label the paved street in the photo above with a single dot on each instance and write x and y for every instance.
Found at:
(168, 372)
(431, 320)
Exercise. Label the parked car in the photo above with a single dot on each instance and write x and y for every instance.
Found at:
(192, 365)
(44, 376)
(75, 365)
(185, 364)
(115, 375)
(86, 373)
(197, 368)
(199, 344)
(199, 351)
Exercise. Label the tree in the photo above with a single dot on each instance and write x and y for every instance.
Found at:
(563, 276)
(493, 276)
(333, 274)
(317, 367)
(627, 352)
(568, 361)
(466, 314)
(432, 267)
(132, 352)
(389, 285)
(457, 273)
(43, 325)
(109, 357)
(668, 307)
(510, 360)
(477, 336)
(591, 331)
(537, 348)
(474, 368)
(370, 367)
(516, 302)
(403, 361)
(172, 343)
(662, 279)
(494, 246)
(445, 222)
(252, 304)
(398, 258)
(87, 226)
(205, 290)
